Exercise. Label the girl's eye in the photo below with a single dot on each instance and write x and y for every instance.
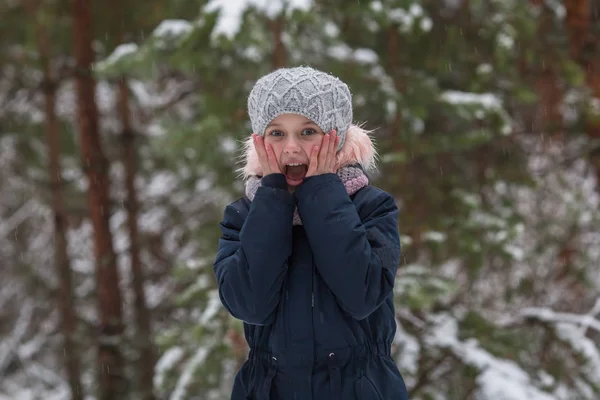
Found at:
(275, 133)
(309, 131)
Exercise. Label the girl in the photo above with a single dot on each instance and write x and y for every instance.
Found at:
(308, 258)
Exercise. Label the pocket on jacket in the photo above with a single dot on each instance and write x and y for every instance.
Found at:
(365, 390)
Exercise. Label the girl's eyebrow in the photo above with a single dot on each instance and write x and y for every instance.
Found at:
(275, 124)
(312, 124)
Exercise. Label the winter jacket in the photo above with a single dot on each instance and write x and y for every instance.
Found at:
(316, 299)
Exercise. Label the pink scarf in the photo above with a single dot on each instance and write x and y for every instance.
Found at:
(352, 177)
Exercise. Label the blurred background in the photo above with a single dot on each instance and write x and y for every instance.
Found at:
(120, 130)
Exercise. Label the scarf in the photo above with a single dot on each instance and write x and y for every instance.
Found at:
(352, 177)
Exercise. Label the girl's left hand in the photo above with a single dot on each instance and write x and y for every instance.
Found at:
(324, 161)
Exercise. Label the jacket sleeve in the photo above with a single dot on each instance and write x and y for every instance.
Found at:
(251, 261)
(357, 259)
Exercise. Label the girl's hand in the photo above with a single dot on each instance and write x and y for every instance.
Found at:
(266, 156)
(324, 161)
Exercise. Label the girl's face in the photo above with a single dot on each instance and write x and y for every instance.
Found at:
(293, 136)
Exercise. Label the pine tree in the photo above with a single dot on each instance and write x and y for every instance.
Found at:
(482, 113)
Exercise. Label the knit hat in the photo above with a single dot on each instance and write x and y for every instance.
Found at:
(320, 97)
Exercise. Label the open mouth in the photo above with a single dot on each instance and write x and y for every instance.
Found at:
(295, 173)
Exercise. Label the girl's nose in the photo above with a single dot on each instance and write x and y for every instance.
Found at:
(291, 146)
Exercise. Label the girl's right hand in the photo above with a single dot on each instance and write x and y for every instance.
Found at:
(266, 156)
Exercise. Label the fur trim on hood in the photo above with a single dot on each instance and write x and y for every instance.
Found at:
(358, 148)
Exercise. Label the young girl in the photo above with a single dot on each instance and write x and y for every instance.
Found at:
(308, 258)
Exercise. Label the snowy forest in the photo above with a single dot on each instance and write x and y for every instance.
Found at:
(121, 125)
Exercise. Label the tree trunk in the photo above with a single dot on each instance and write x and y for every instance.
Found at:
(578, 28)
(547, 84)
(394, 67)
(61, 257)
(143, 325)
(549, 115)
(147, 357)
(279, 55)
(112, 382)
(584, 48)
(68, 317)
(398, 173)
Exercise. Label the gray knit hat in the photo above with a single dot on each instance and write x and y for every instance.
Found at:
(320, 97)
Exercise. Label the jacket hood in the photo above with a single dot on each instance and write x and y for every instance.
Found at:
(358, 148)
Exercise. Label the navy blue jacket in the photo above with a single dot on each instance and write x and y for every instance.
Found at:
(316, 299)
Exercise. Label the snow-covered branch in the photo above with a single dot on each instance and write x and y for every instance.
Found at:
(9, 346)
(550, 316)
(24, 212)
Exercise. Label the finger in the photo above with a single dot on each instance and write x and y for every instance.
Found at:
(262, 154)
(272, 159)
(314, 163)
(260, 146)
(335, 141)
(324, 151)
(338, 139)
(335, 151)
(327, 162)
